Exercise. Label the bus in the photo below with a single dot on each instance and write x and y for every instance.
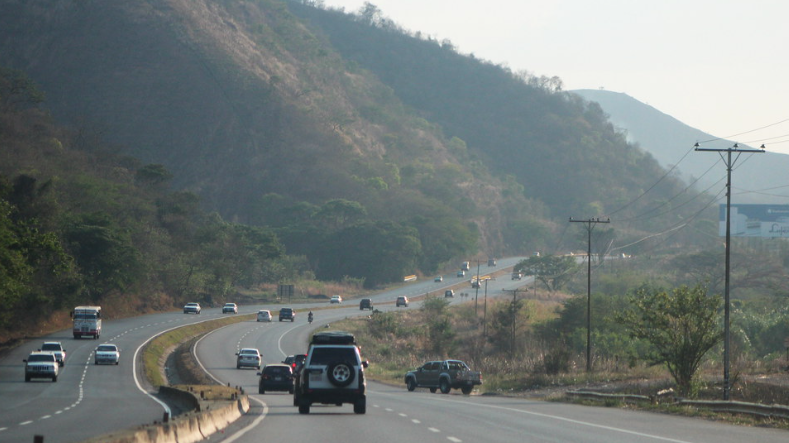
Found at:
(87, 321)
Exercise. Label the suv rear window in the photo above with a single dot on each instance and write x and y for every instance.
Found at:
(327, 355)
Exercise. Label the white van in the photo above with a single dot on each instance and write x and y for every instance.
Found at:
(264, 315)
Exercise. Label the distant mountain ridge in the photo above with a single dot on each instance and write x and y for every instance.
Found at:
(671, 142)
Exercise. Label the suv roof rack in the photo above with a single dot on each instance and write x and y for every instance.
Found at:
(333, 338)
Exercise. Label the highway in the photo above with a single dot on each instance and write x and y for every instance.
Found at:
(89, 400)
(395, 415)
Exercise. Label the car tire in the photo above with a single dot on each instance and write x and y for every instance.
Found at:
(444, 386)
(96, 362)
(466, 390)
(411, 384)
(261, 391)
(54, 379)
(340, 373)
(27, 379)
(296, 399)
(433, 390)
(304, 407)
(360, 406)
(117, 363)
(238, 366)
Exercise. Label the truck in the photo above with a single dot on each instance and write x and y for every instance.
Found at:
(444, 375)
(87, 321)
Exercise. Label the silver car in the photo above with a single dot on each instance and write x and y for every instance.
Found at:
(248, 357)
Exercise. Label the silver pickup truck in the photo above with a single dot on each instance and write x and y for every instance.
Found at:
(444, 375)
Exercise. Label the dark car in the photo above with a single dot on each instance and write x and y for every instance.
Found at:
(287, 314)
(295, 361)
(276, 377)
(366, 303)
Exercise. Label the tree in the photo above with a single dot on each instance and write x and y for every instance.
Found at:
(554, 271)
(681, 326)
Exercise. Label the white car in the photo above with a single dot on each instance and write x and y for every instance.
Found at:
(231, 308)
(192, 307)
(248, 357)
(107, 353)
(264, 315)
(335, 299)
(56, 348)
(439, 279)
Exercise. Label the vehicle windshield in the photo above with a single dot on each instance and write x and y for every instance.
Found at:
(41, 357)
(106, 348)
(50, 347)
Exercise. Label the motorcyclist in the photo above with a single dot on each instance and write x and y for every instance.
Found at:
(309, 317)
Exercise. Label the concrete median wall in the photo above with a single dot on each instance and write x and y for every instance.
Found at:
(188, 428)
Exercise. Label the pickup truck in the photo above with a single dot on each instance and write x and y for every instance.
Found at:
(444, 375)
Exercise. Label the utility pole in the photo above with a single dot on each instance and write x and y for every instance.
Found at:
(590, 222)
(485, 312)
(726, 330)
(476, 290)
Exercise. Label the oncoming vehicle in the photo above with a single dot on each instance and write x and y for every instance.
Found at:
(87, 321)
(276, 377)
(287, 314)
(333, 374)
(449, 293)
(230, 308)
(335, 299)
(107, 353)
(248, 357)
(264, 315)
(192, 308)
(56, 348)
(366, 303)
(401, 301)
(461, 273)
(41, 364)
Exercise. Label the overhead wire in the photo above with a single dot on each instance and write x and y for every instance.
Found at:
(745, 132)
(639, 216)
(653, 186)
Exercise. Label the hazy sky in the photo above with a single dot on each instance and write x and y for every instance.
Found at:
(716, 65)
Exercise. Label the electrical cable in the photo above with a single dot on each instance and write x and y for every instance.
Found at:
(746, 132)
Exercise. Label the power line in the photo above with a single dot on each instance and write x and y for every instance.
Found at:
(651, 187)
(746, 132)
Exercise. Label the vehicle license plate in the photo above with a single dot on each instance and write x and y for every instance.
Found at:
(278, 378)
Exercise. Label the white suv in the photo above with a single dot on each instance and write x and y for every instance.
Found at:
(41, 364)
(333, 373)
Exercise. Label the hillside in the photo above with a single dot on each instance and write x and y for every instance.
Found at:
(670, 140)
(271, 110)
